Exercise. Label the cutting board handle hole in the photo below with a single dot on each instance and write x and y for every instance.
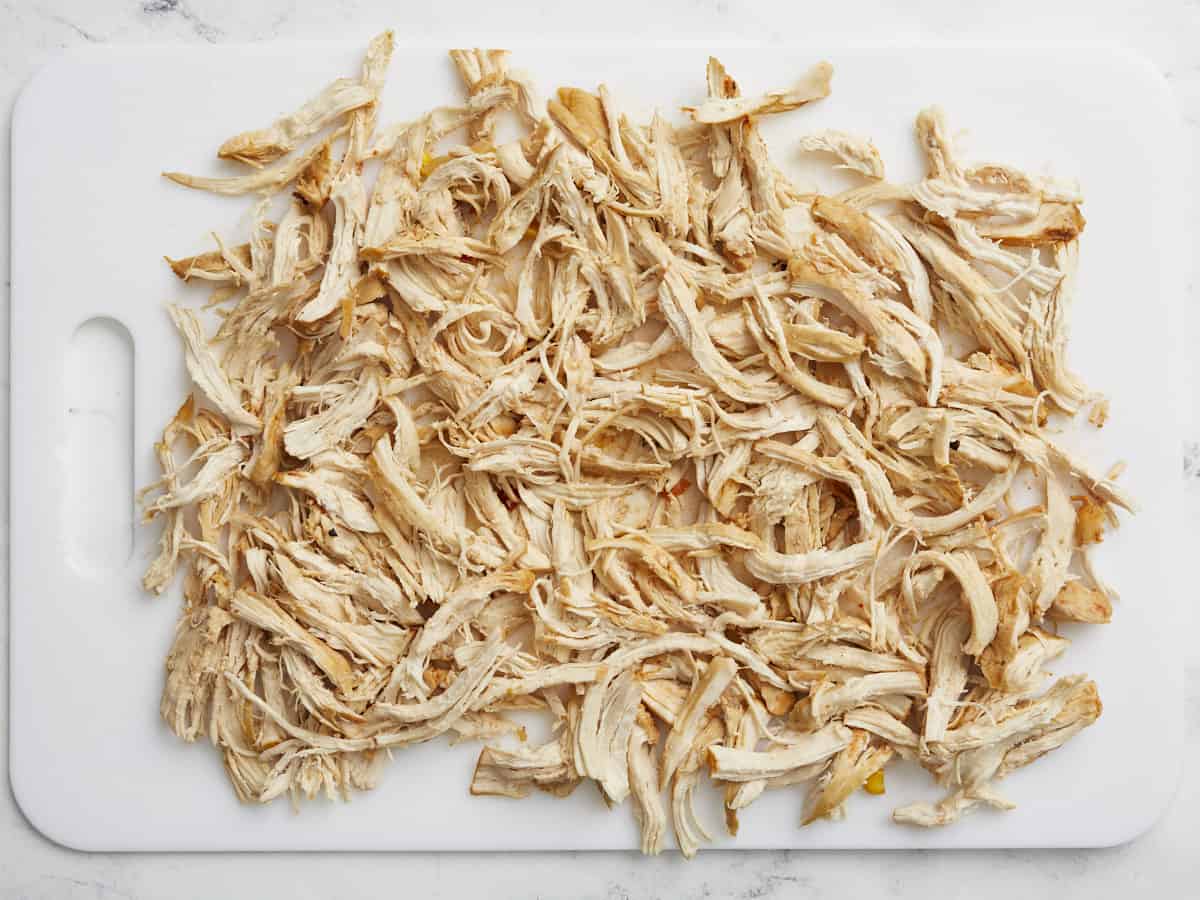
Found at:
(99, 511)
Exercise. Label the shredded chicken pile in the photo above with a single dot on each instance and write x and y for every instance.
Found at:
(614, 422)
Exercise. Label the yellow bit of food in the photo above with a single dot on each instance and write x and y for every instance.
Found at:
(874, 784)
(613, 425)
(429, 163)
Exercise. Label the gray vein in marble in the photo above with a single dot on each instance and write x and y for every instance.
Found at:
(1191, 459)
(201, 27)
(88, 36)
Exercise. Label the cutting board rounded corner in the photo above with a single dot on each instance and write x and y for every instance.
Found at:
(1153, 77)
(1136, 826)
(39, 81)
(39, 811)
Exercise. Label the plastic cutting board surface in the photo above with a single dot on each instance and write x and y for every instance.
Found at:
(97, 370)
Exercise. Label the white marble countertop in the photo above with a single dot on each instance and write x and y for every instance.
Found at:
(1162, 863)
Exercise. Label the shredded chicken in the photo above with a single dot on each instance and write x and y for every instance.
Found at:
(614, 423)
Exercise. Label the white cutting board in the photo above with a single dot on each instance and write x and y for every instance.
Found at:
(97, 370)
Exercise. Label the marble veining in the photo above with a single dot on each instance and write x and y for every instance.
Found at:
(1191, 459)
(1163, 863)
(201, 27)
